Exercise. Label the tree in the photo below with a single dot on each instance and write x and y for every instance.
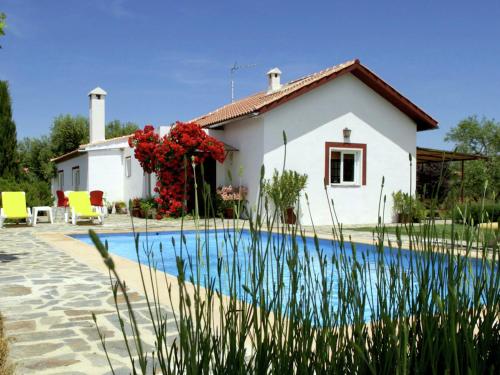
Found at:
(34, 157)
(68, 133)
(8, 142)
(2, 24)
(116, 129)
(476, 136)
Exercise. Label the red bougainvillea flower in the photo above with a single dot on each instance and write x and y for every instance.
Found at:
(169, 158)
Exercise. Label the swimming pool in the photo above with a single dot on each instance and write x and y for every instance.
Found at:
(236, 251)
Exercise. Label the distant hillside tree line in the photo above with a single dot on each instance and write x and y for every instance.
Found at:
(66, 134)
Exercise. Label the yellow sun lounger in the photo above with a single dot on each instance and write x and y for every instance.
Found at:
(14, 207)
(80, 207)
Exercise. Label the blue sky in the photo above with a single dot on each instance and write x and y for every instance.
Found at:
(162, 60)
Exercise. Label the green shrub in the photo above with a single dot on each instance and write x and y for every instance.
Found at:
(37, 191)
(148, 207)
(477, 212)
(284, 189)
(406, 206)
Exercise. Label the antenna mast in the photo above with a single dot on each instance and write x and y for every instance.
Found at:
(233, 70)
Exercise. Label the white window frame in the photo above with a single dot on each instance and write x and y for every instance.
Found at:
(75, 178)
(358, 166)
(128, 166)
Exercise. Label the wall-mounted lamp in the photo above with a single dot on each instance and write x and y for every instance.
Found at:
(347, 134)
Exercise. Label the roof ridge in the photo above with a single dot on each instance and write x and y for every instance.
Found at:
(313, 77)
(323, 71)
(266, 97)
(261, 102)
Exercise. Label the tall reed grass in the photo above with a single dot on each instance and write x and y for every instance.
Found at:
(292, 305)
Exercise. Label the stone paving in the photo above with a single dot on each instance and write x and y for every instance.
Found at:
(47, 297)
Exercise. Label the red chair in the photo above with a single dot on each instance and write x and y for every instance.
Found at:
(62, 202)
(96, 199)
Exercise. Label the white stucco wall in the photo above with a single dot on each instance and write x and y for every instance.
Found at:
(135, 185)
(318, 117)
(67, 166)
(247, 136)
(106, 173)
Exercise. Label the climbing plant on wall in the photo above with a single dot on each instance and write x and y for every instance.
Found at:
(171, 158)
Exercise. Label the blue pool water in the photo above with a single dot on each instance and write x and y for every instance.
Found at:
(221, 252)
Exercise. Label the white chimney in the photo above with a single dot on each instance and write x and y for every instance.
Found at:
(97, 115)
(273, 80)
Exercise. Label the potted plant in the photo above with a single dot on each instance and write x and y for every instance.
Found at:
(284, 191)
(148, 208)
(407, 208)
(120, 207)
(135, 207)
(230, 198)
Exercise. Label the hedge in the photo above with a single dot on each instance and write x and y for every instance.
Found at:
(478, 212)
(37, 191)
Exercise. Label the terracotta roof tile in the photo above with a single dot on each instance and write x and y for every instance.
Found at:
(264, 101)
(67, 156)
(259, 100)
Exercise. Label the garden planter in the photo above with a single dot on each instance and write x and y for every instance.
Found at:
(146, 214)
(404, 218)
(289, 216)
(229, 213)
(407, 218)
(120, 209)
(136, 212)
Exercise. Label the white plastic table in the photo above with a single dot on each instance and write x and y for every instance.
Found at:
(38, 209)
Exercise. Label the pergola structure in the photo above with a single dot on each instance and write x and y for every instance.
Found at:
(429, 155)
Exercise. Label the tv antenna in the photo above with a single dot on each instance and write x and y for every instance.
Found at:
(233, 70)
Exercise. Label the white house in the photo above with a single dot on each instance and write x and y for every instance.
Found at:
(346, 129)
(102, 164)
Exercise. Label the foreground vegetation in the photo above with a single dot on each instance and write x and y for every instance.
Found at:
(433, 309)
(441, 231)
(6, 368)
